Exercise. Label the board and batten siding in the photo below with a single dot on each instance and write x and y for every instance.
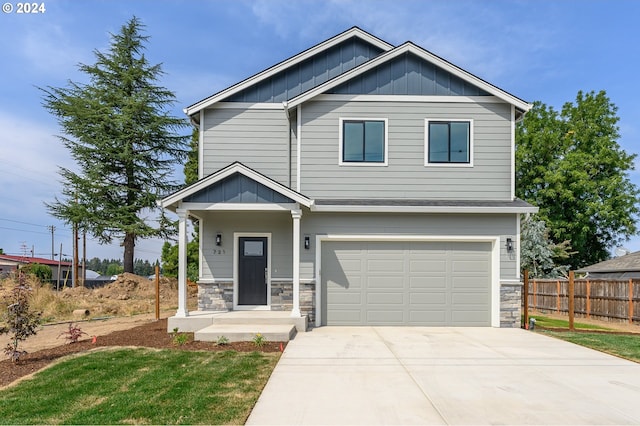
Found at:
(406, 175)
(258, 138)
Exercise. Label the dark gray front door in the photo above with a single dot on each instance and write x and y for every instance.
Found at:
(252, 271)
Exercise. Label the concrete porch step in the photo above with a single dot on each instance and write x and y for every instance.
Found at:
(246, 332)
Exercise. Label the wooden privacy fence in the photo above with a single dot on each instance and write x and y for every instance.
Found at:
(606, 299)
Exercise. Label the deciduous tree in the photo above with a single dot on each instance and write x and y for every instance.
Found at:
(571, 166)
(118, 130)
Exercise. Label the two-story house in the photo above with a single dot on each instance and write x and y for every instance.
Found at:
(358, 183)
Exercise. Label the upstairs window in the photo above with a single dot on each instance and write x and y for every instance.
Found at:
(449, 142)
(363, 142)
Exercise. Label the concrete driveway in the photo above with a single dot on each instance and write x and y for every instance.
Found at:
(415, 375)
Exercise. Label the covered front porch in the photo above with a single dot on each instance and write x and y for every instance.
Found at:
(249, 256)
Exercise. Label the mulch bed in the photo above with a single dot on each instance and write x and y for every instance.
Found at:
(151, 335)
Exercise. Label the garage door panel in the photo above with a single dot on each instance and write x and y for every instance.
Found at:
(385, 317)
(390, 282)
(428, 299)
(431, 266)
(428, 282)
(385, 298)
(344, 298)
(432, 317)
(406, 283)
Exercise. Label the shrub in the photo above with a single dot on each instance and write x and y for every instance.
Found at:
(20, 321)
(73, 333)
(43, 272)
(222, 341)
(258, 340)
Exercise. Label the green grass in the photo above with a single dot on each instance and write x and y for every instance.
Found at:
(141, 386)
(542, 321)
(622, 345)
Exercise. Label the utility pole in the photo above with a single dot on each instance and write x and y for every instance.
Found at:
(52, 228)
(75, 256)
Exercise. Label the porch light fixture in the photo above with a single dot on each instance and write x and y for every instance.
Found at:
(218, 239)
(307, 243)
(509, 245)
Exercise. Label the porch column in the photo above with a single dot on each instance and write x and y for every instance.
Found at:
(296, 215)
(182, 264)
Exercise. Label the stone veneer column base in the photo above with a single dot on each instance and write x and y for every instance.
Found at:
(510, 304)
(215, 296)
(282, 298)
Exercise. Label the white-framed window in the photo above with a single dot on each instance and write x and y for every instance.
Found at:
(448, 143)
(363, 142)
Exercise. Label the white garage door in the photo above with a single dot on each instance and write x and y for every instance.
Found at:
(406, 283)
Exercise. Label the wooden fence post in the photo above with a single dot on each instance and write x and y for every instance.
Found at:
(588, 299)
(535, 294)
(571, 301)
(630, 301)
(526, 298)
(157, 292)
(558, 296)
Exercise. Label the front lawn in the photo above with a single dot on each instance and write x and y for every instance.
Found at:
(546, 322)
(141, 386)
(622, 345)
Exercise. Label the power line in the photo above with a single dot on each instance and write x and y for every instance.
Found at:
(24, 230)
(24, 223)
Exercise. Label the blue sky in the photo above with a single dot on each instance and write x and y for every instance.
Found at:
(536, 50)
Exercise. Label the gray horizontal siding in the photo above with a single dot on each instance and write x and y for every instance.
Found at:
(410, 224)
(406, 175)
(217, 261)
(257, 138)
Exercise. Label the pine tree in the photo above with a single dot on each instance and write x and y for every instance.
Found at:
(125, 143)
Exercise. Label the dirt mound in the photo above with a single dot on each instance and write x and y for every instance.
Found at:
(128, 295)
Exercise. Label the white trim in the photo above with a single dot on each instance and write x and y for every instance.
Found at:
(298, 146)
(512, 174)
(200, 249)
(353, 32)
(214, 280)
(517, 247)
(341, 120)
(250, 105)
(426, 142)
(228, 171)
(183, 310)
(236, 258)
(241, 206)
(410, 98)
(201, 146)
(421, 209)
(422, 53)
(495, 261)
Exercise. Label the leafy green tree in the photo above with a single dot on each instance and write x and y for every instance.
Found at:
(114, 269)
(118, 129)
(571, 166)
(42, 272)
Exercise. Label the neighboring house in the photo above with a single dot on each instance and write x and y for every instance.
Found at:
(627, 266)
(10, 263)
(358, 183)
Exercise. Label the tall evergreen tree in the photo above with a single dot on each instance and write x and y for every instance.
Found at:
(124, 141)
(571, 166)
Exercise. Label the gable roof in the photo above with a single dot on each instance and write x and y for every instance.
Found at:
(626, 263)
(294, 60)
(28, 259)
(409, 47)
(172, 201)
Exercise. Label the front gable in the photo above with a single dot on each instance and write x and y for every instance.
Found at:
(408, 74)
(237, 188)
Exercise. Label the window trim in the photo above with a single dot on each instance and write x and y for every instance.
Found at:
(449, 120)
(363, 163)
